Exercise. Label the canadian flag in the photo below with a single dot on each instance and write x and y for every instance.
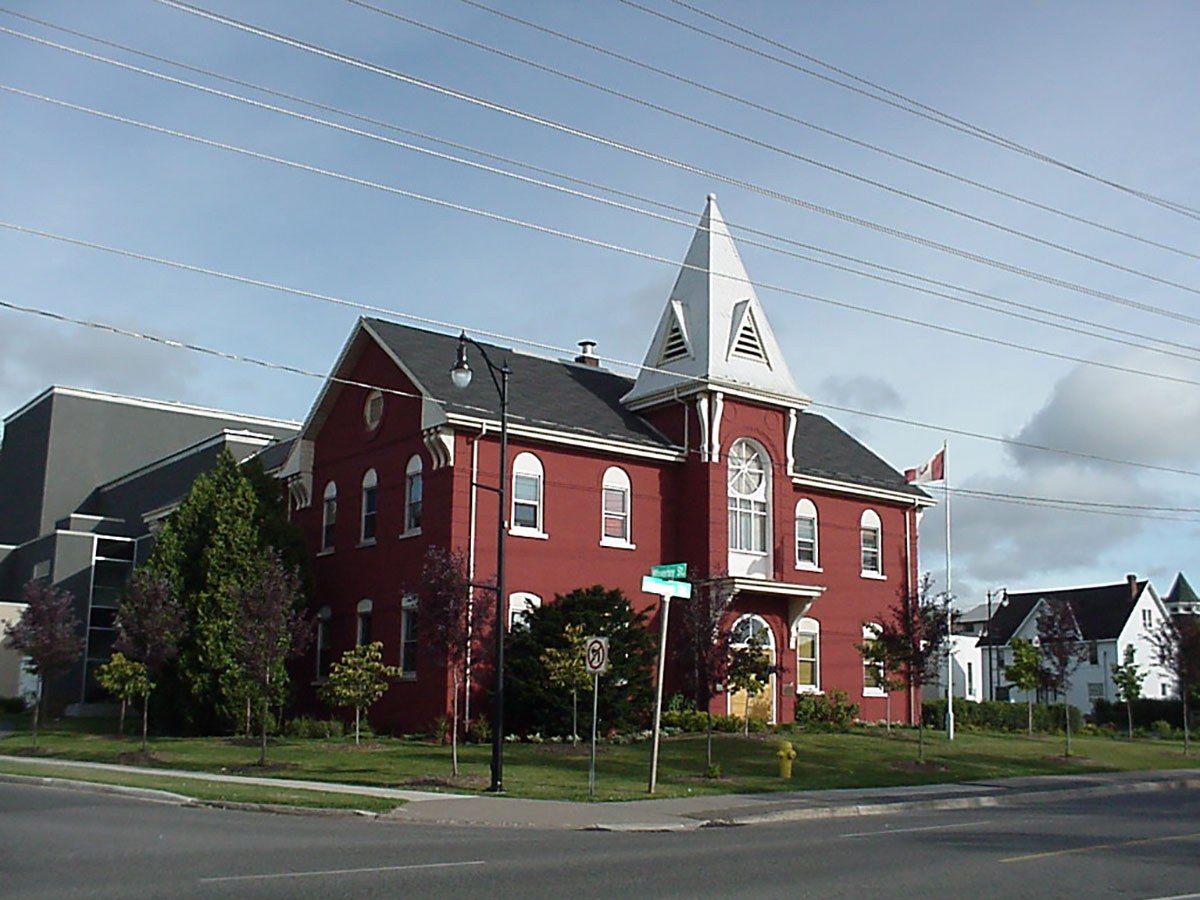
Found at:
(934, 470)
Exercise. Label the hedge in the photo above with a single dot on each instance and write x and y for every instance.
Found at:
(999, 715)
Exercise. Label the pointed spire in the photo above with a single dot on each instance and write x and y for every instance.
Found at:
(713, 333)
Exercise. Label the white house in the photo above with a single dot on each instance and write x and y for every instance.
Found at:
(1110, 617)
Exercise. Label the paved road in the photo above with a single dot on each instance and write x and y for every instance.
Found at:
(65, 844)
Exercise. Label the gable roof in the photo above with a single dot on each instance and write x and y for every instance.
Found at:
(822, 450)
(1101, 611)
(713, 332)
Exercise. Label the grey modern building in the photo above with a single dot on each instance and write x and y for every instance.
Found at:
(85, 478)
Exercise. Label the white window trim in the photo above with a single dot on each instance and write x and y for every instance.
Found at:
(414, 466)
(810, 626)
(805, 508)
(370, 482)
(408, 602)
(870, 632)
(330, 493)
(870, 519)
(528, 465)
(520, 603)
(617, 479)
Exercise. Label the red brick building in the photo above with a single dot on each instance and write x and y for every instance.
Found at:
(709, 457)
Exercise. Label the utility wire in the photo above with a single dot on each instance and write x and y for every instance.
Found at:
(556, 232)
(1088, 331)
(829, 132)
(659, 158)
(782, 151)
(901, 102)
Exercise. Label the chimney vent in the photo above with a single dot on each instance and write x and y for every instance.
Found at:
(587, 354)
(1133, 588)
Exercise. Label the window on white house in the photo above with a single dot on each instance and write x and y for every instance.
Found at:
(370, 488)
(806, 534)
(1093, 654)
(970, 679)
(808, 656)
(873, 680)
(615, 526)
(408, 636)
(527, 495)
(871, 539)
(1147, 618)
(322, 642)
(1095, 690)
(363, 631)
(328, 516)
(413, 492)
(520, 606)
(748, 498)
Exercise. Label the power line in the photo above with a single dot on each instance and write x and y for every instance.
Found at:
(556, 232)
(908, 104)
(1192, 355)
(659, 158)
(829, 132)
(783, 151)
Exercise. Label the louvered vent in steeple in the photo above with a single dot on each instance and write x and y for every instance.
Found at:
(675, 345)
(746, 340)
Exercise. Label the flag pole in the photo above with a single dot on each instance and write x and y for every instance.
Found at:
(949, 609)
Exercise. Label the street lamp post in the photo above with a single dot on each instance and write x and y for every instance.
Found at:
(460, 375)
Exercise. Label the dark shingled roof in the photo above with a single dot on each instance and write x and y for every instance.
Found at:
(586, 401)
(273, 456)
(1181, 592)
(542, 393)
(1101, 611)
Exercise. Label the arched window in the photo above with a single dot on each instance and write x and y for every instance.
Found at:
(871, 538)
(520, 606)
(322, 642)
(370, 485)
(408, 636)
(413, 492)
(363, 631)
(749, 493)
(806, 535)
(873, 676)
(527, 487)
(752, 632)
(615, 529)
(808, 655)
(373, 410)
(328, 516)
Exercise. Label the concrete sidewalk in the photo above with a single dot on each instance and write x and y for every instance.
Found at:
(682, 813)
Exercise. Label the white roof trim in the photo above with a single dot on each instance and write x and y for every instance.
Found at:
(591, 442)
(858, 490)
(146, 403)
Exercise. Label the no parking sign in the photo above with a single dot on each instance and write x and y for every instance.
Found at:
(596, 655)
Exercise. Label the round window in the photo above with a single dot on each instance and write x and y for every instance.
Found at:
(745, 469)
(373, 410)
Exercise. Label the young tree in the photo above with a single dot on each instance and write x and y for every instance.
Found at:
(358, 679)
(1062, 650)
(1025, 671)
(270, 630)
(47, 633)
(567, 670)
(750, 670)
(125, 679)
(447, 621)
(1128, 679)
(908, 646)
(1177, 651)
(150, 624)
(704, 646)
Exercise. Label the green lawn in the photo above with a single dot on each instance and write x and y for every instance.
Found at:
(865, 757)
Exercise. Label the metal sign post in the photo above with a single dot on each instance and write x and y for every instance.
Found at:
(596, 662)
(665, 589)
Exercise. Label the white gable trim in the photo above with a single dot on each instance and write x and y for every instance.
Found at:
(587, 442)
(858, 490)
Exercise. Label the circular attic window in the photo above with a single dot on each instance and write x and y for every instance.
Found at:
(373, 410)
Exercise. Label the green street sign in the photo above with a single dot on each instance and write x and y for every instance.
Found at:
(670, 571)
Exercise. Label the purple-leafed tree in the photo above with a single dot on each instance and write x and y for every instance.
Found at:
(47, 633)
(270, 629)
(1061, 646)
(704, 646)
(150, 623)
(1177, 650)
(447, 620)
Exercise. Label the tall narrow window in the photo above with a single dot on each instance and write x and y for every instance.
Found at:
(370, 490)
(749, 496)
(808, 656)
(328, 516)
(413, 492)
(363, 634)
(872, 669)
(408, 636)
(751, 632)
(615, 527)
(527, 495)
(322, 642)
(871, 539)
(806, 534)
(520, 606)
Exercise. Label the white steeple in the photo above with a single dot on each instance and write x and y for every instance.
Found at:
(714, 335)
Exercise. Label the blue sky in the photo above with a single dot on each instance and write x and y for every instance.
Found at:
(1107, 88)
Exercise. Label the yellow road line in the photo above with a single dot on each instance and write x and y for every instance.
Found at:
(1052, 853)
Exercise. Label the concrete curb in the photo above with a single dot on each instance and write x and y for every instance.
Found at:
(98, 787)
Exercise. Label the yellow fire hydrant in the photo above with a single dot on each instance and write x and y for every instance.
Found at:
(785, 754)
